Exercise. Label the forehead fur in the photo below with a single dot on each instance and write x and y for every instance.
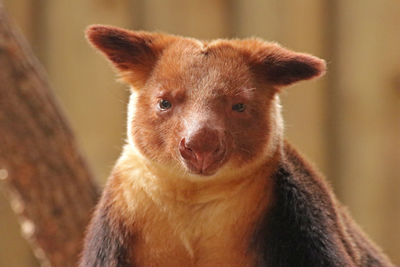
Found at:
(137, 54)
(196, 65)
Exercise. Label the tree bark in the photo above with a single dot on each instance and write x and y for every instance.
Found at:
(43, 173)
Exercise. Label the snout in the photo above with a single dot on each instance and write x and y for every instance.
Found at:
(204, 151)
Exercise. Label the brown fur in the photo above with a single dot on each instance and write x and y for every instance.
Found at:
(186, 223)
(202, 183)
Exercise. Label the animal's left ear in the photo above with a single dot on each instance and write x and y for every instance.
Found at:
(280, 66)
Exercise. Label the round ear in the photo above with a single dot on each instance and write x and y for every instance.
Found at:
(280, 66)
(134, 54)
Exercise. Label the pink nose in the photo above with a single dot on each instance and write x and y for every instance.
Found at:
(202, 151)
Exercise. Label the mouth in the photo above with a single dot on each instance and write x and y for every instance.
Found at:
(202, 171)
(206, 167)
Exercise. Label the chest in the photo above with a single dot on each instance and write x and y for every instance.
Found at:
(216, 234)
(195, 226)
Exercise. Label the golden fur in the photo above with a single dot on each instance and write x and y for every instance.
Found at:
(206, 178)
(189, 223)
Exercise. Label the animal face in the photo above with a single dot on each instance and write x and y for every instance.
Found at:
(202, 107)
(196, 108)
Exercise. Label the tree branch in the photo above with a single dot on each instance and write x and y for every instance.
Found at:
(45, 177)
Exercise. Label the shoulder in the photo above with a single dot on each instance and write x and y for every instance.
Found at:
(108, 239)
(300, 229)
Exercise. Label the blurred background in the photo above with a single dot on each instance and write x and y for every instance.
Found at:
(348, 122)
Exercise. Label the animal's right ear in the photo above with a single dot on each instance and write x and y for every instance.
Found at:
(279, 66)
(134, 54)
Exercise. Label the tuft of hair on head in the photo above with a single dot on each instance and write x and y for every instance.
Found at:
(133, 53)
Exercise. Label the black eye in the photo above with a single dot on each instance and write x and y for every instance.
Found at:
(164, 104)
(239, 107)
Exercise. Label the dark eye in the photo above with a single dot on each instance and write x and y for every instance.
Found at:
(239, 107)
(164, 104)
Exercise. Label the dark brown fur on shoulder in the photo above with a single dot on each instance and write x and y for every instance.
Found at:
(206, 178)
(109, 241)
(306, 226)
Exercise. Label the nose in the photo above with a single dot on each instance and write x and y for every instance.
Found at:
(203, 150)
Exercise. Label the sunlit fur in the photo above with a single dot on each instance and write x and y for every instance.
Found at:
(202, 215)
(261, 205)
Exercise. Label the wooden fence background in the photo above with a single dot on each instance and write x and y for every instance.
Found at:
(348, 123)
